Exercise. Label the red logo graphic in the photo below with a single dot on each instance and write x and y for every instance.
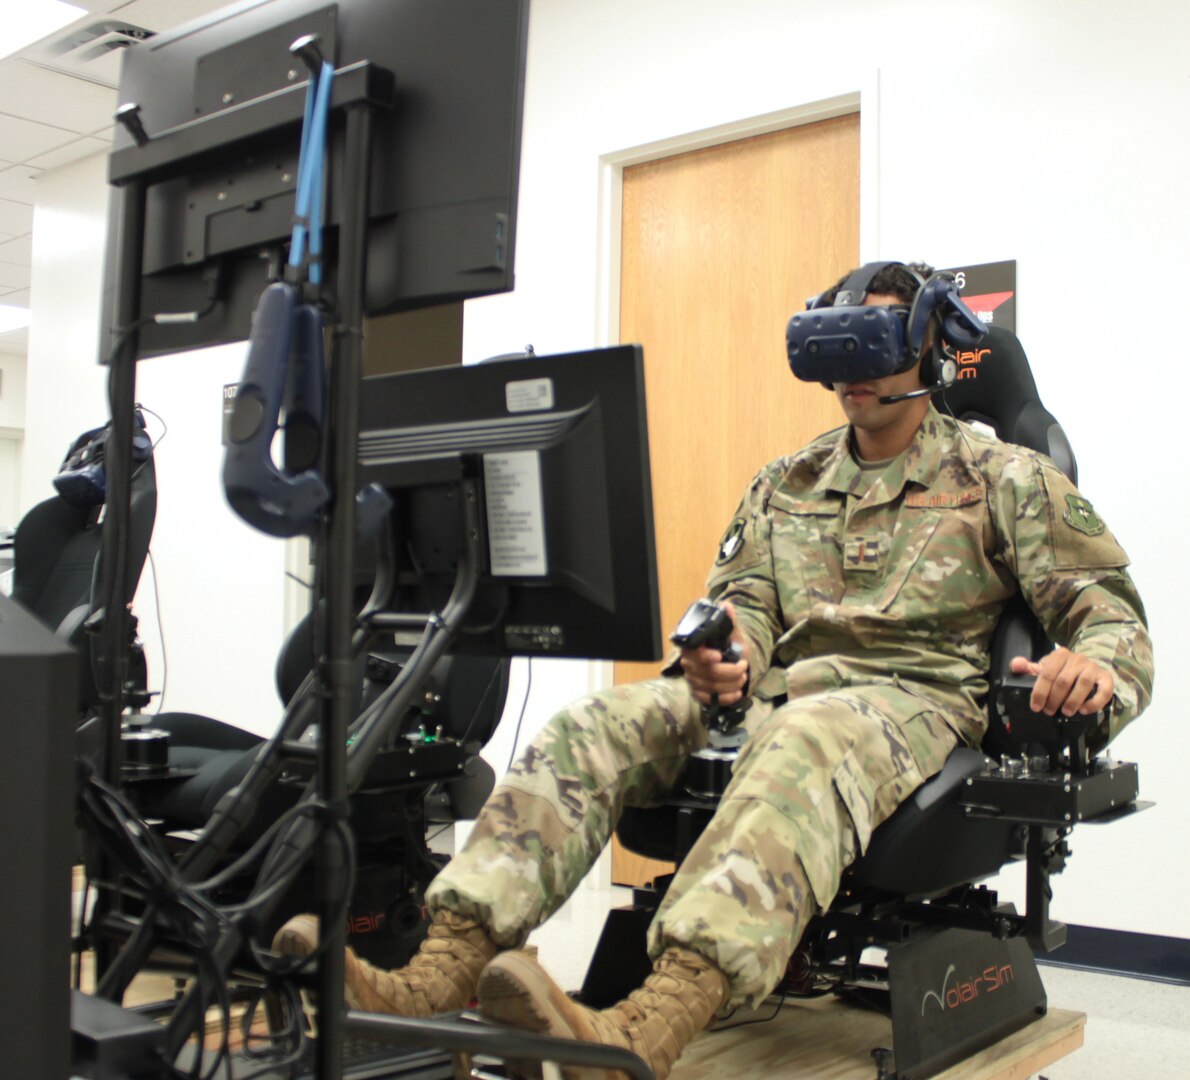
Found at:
(968, 361)
(365, 924)
(985, 304)
(988, 981)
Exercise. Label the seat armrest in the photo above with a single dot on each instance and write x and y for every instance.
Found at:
(70, 628)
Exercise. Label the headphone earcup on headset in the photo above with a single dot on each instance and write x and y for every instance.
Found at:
(958, 330)
(938, 368)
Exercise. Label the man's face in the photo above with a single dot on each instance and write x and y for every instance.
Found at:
(860, 400)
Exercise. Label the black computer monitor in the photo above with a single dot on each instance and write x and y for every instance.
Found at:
(558, 447)
(38, 713)
(221, 103)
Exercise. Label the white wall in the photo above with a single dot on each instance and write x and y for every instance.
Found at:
(12, 389)
(1040, 132)
(12, 423)
(65, 389)
(221, 604)
(221, 584)
(1016, 130)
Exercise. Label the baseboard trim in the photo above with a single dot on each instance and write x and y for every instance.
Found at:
(1122, 952)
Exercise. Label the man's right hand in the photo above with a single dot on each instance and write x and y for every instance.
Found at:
(707, 673)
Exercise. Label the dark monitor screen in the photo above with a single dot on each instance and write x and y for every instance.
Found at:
(221, 101)
(559, 449)
(38, 713)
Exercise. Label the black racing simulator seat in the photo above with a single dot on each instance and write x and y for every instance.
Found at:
(462, 705)
(914, 891)
(57, 561)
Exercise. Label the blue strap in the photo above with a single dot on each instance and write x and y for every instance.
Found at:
(309, 198)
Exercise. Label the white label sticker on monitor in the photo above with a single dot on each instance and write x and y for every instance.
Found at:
(516, 524)
(529, 395)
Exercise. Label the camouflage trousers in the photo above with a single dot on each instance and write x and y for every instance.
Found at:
(815, 777)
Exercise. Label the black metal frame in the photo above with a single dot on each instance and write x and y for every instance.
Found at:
(359, 90)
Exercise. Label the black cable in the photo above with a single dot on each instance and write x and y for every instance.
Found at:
(124, 439)
(160, 633)
(292, 1038)
(516, 735)
(160, 319)
(261, 845)
(268, 961)
(149, 876)
(480, 707)
(304, 584)
(164, 427)
(758, 1020)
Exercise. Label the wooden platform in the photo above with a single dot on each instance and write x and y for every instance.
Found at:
(808, 1039)
(828, 1039)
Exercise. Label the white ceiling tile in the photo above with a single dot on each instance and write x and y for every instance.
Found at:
(53, 97)
(63, 155)
(105, 68)
(13, 276)
(18, 183)
(16, 218)
(23, 139)
(19, 250)
(19, 298)
(161, 15)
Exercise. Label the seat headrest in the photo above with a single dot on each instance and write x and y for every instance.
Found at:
(995, 386)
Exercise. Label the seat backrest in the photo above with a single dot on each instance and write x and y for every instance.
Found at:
(57, 564)
(465, 694)
(995, 388)
(54, 551)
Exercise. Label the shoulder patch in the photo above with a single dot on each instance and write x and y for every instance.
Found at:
(1078, 536)
(1080, 514)
(732, 543)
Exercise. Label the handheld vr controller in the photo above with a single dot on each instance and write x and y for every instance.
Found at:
(706, 623)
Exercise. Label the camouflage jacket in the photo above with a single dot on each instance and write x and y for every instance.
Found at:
(904, 583)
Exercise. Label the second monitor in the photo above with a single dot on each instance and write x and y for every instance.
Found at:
(557, 448)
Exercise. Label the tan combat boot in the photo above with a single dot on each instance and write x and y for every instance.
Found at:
(440, 977)
(655, 1022)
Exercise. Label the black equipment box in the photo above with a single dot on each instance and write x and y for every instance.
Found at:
(1009, 790)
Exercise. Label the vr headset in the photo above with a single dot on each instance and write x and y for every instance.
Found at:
(82, 477)
(843, 341)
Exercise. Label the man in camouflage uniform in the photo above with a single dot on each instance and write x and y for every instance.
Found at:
(864, 575)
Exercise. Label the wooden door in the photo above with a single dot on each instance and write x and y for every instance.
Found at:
(719, 248)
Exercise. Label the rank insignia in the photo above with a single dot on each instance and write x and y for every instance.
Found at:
(732, 543)
(1081, 515)
(862, 553)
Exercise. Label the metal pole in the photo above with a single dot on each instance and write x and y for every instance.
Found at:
(112, 657)
(339, 535)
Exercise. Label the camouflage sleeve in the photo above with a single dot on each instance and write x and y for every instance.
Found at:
(743, 571)
(1073, 575)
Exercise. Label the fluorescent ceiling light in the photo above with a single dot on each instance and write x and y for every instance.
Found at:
(13, 318)
(32, 20)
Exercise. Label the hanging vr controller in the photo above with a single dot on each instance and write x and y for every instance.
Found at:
(843, 341)
(285, 361)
